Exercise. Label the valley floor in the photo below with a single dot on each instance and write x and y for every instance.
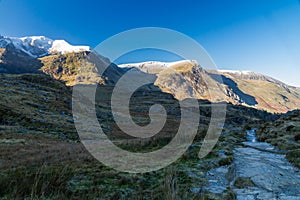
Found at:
(41, 156)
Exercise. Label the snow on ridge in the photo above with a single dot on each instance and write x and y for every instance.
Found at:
(154, 64)
(236, 71)
(37, 46)
(63, 47)
(140, 64)
(32, 39)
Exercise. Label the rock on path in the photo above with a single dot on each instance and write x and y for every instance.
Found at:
(273, 175)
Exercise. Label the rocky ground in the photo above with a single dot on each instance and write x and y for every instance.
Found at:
(259, 171)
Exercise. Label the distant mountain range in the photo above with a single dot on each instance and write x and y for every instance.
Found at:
(182, 79)
(186, 79)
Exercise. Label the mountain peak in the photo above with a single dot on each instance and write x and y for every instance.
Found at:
(155, 67)
(64, 47)
(38, 46)
(32, 38)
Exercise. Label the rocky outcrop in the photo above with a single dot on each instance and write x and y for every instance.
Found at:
(81, 68)
(16, 61)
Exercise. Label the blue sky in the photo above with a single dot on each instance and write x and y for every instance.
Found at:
(257, 35)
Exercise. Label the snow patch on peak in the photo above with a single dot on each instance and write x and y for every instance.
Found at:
(34, 38)
(236, 72)
(156, 64)
(38, 46)
(141, 64)
(62, 46)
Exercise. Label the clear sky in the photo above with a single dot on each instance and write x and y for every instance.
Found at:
(257, 35)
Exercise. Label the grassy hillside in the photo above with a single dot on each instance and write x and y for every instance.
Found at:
(259, 91)
(270, 96)
(16, 61)
(36, 102)
(285, 134)
(41, 155)
(80, 68)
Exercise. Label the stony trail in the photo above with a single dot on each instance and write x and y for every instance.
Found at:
(271, 174)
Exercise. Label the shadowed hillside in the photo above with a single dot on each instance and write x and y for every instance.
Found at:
(49, 161)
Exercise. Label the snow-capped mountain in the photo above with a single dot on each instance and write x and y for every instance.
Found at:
(154, 67)
(237, 87)
(183, 79)
(38, 46)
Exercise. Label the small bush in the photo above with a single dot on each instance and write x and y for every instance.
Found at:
(294, 157)
(247, 127)
(243, 182)
(226, 161)
(297, 137)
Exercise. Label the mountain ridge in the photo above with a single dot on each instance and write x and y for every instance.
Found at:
(39, 46)
(183, 79)
(237, 87)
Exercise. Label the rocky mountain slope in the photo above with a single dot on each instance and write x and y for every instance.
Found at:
(57, 58)
(182, 79)
(186, 79)
(38, 46)
(20, 55)
(269, 93)
(81, 68)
